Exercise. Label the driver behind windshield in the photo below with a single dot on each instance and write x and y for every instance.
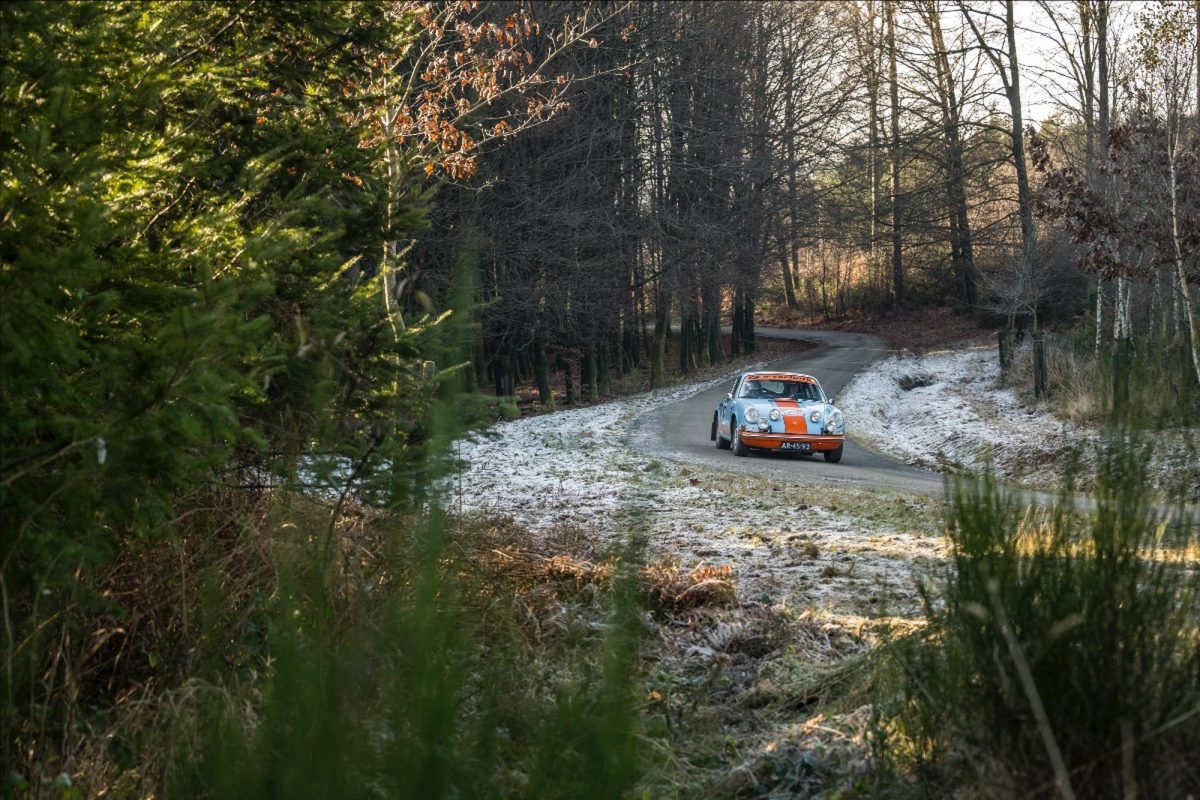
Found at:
(755, 391)
(802, 391)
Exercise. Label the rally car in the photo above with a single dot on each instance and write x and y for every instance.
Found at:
(786, 411)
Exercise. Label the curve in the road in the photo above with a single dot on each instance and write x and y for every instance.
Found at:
(680, 431)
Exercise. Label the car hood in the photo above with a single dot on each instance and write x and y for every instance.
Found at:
(764, 404)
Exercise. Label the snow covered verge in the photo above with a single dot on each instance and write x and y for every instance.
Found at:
(947, 410)
(851, 557)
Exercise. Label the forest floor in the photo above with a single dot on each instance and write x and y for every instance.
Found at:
(949, 410)
(915, 330)
(820, 579)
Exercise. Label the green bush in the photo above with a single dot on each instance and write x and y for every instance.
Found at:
(1061, 647)
(188, 302)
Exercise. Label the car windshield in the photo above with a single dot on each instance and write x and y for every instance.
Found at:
(763, 389)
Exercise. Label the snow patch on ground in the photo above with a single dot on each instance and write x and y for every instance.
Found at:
(578, 468)
(948, 410)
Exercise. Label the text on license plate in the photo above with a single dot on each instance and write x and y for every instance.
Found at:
(803, 447)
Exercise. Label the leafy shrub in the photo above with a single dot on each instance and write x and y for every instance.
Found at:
(1058, 650)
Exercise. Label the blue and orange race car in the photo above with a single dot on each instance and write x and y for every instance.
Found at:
(785, 411)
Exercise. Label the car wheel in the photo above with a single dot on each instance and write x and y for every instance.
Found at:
(722, 442)
(739, 447)
(834, 456)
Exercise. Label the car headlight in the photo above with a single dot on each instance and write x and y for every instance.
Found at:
(815, 416)
(836, 419)
(774, 415)
(752, 414)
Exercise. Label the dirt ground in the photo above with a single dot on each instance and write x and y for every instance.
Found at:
(917, 331)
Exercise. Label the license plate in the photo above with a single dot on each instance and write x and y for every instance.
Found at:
(802, 447)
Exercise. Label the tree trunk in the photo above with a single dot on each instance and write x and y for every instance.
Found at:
(1005, 342)
(587, 372)
(510, 378)
(1024, 207)
(1089, 88)
(824, 279)
(793, 186)
(710, 329)
(1187, 318)
(542, 374)
(1039, 366)
(748, 337)
(658, 355)
(602, 370)
(568, 379)
(630, 354)
(873, 121)
(735, 337)
(497, 365)
(961, 249)
(789, 287)
(1121, 357)
(1102, 67)
(897, 263)
(685, 338)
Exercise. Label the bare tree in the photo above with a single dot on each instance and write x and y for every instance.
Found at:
(1024, 294)
(897, 256)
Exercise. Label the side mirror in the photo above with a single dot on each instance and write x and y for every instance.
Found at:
(729, 395)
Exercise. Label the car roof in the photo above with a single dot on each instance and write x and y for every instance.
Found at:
(775, 375)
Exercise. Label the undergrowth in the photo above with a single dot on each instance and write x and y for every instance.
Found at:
(1158, 388)
(425, 657)
(1061, 656)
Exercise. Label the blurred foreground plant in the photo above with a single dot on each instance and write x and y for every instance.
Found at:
(1063, 650)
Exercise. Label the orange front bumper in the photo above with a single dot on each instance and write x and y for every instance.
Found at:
(771, 441)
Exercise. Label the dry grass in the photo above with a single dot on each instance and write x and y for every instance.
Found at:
(1078, 389)
(670, 588)
(539, 565)
(121, 658)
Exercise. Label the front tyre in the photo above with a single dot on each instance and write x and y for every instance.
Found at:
(722, 444)
(834, 456)
(738, 446)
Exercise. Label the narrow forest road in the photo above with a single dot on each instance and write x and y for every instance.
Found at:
(680, 431)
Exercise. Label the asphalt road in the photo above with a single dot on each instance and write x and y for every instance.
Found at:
(680, 431)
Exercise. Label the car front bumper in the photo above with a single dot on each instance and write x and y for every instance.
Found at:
(772, 441)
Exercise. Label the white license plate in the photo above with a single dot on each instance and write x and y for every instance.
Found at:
(802, 447)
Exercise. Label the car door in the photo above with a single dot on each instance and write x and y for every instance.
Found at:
(723, 410)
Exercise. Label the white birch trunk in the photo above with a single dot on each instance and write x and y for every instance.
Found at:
(1187, 318)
